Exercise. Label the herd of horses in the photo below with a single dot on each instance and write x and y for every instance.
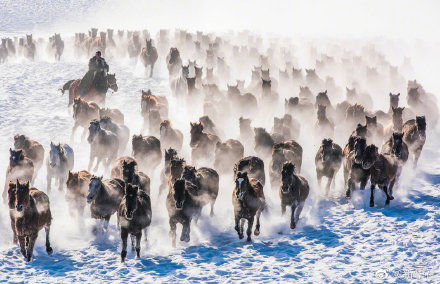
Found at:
(188, 187)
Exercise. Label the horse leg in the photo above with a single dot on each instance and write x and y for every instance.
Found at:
(91, 160)
(184, 237)
(146, 235)
(172, 232)
(391, 187)
(49, 181)
(138, 244)
(133, 240)
(30, 242)
(72, 136)
(105, 223)
(124, 236)
(298, 211)
(329, 182)
(14, 232)
(283, 208)
(249, 228)
(49, 249)
(211, 214)
(319, 178)
(385, 189)
(22, 243)
(372, 194)
(350, 185)
(292, 214)
(98, 161)
(62, 181)
(237, 226)
(151, 70)
(257, 226)
(241, 228)
(83, 135)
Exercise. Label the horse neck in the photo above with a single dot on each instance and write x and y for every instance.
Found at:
(397, 123)
(103, 193)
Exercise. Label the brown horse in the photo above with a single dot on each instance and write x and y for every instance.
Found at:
(83, 113)
(149, 55)
(77, 184)
(226, 154)
(289, 151)
(170, 137)
(20, 167)
(202, 143)
(414, 135)
(97, 91)
(32, 213)
(31, 149)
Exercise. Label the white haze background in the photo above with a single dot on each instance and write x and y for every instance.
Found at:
(334, 242)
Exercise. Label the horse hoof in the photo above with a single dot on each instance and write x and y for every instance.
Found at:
(240, 236)
(138, 252)
(391, 197)
(292, 225)
(387, 202)
(371, 204)
(249, 239)
(49, 250)
(256, 232)
(123, 255)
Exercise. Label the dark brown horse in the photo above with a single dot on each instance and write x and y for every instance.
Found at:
(104, 197)
(328, 161)
(146, 151)
(354, 170)
(248, 200)
(77, 184)
(134, 216)
(181, 209)
(203, 185)
(170, 154)
(293, 191)
(383, 170)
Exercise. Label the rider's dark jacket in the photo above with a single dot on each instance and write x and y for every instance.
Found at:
(95, 65)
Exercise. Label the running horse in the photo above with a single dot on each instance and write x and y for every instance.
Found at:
(97, 91)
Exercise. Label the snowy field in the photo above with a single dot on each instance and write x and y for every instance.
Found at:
(334, 241)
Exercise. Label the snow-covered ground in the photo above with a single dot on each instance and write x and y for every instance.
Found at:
(334, 242)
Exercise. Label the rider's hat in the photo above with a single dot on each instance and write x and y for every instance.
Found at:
(98, 53)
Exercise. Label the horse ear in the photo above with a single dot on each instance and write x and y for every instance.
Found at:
(398, 94)
(51, 144)
(27, 185)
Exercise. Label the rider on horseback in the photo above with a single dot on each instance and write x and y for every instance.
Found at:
(96, 64)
